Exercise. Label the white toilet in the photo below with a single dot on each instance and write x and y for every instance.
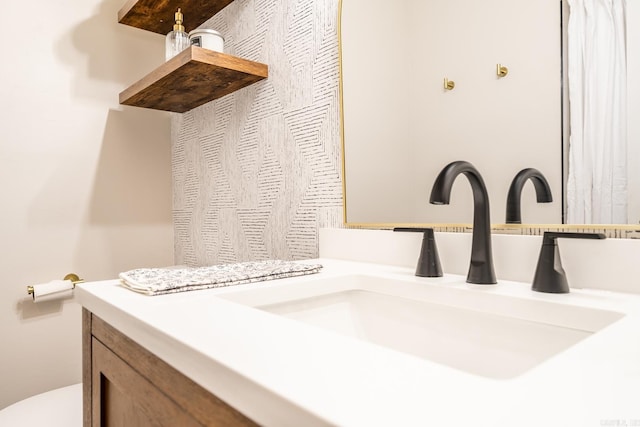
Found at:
(56, 408)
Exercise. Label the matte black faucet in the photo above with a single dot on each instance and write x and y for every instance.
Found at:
(543, 193)
(481, 266)
(550, 276)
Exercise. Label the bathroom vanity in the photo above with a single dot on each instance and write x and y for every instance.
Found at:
(124, 384)
(366, 343)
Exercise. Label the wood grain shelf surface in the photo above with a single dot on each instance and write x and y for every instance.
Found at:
(158, 16)
(192, 78)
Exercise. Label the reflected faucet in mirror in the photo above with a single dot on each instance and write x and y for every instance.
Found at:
(543, 193)
(481, 266)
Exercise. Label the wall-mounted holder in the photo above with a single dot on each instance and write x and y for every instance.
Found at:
(449, 84)
(501, 70)
(55, 289)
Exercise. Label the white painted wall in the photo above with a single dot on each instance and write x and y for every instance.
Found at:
(85, 183)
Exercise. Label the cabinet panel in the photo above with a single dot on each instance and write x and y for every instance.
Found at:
(118, 410)
(126, 385)
(122, 397)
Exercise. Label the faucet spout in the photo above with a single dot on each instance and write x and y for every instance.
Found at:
(481, 266)
(543, 193)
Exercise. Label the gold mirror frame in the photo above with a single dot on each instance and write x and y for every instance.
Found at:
(611, 230)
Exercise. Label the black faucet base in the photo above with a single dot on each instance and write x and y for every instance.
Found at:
(429, 260)
(550, 276)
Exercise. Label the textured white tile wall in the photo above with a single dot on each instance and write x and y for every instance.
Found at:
(257, 172)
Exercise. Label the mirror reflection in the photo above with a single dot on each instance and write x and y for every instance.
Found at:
(504, 113)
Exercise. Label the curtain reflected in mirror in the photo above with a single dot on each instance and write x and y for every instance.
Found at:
(597, 75)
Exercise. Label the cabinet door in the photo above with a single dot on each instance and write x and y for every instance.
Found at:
(121, 397)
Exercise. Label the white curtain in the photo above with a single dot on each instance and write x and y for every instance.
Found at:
(597, 73)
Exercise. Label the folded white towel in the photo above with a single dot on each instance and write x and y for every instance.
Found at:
(157, 281)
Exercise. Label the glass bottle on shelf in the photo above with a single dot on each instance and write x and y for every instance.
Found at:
(177, 40)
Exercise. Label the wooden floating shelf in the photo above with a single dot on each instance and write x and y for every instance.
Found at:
(158, 16)
(192, 78)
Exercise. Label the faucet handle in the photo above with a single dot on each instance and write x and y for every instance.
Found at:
(429, 261)
(550, 277)
(550, 236)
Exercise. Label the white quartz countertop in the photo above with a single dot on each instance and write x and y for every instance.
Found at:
(281, 372)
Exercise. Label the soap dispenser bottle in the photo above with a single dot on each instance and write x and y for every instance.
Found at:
(177, 40)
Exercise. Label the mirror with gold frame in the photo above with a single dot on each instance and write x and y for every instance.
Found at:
(401, 124)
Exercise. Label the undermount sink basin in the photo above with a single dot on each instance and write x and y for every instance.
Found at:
(465, 328)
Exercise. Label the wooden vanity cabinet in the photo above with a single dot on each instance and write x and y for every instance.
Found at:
(125, 385)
